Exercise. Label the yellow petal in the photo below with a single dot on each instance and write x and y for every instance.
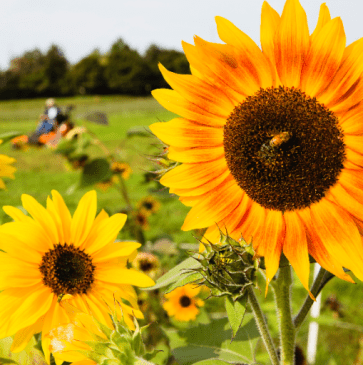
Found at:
(291, 43)
(16, 214)
(324, 18)
(124, 276)
(115, 249)
(56, 218)
(64, 214)
(42, 216)
(83, 218)
(195, 155)
(105, 232)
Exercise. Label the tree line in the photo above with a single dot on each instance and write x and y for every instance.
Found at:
(122, 70)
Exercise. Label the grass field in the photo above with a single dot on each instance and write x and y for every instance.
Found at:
(40, 171)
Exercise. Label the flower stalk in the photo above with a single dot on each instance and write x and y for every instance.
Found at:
(262, 326)
(283, 302)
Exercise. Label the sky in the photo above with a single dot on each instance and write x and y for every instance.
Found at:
(80, 26)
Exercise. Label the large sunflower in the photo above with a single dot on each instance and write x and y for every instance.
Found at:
(271, 141)
(51, 256)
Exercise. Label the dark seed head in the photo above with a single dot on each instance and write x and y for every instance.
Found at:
(284, 149)
(185, 301)
(67, 270)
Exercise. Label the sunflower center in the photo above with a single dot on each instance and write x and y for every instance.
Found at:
(146, 265)
(185, 301)
(284, 149)
(67, 270)
(148, 205)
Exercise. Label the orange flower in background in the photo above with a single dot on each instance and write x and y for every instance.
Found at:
(271, 141)
(182, 303)
(51, 256)
(148, 205)
(122, 169)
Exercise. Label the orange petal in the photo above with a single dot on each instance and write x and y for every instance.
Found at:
(340, 94)
(270, 21)
(296, 248)
(354, 142)
(323, 58)
(318, 250)
(291, 43)
(354, 157)
(183, 133)
(339, 235)
(214, 207)
(273, 237)
(195, 155)
(324, 18)
(174, 102)
(351, 122)
(209, 98)
(251, 59)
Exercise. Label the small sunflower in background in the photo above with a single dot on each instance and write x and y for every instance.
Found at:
(270, 140)
(183, 303)
(51, 255)
(6, 169)
(121, 168)
(141, 219)
(149, 205)
(106, 184)
(147, 263)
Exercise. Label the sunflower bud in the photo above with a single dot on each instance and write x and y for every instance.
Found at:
(228, 267)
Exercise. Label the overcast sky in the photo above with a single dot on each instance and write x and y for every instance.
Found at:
(80, 26)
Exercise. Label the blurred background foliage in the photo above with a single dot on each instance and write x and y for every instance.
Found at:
(121, 70)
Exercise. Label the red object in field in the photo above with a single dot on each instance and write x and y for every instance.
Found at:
(44, 138)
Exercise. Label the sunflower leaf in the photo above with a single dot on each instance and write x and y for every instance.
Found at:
(95, 171)
(236, 310)
(185, 278)
(213, 342)
(173, 275)
(3, 360)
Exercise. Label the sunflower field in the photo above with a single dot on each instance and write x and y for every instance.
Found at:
(219, 222)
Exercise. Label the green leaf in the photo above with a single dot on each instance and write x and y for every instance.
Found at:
(236, 311)
(213, 341)
(185, 278)
(66, 146)
(212, 362)
(7, 136)
(95, 171)
(173, 275)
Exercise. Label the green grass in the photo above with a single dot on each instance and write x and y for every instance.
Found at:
(40, 171)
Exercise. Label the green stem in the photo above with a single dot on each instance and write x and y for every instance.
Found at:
(282, 290)
(262, 326)
(315, 289)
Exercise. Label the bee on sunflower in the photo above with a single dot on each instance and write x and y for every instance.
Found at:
(183, 304)
(270, 140)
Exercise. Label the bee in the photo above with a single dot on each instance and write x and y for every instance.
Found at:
(60, 297)
(269, 150)
(278, 139)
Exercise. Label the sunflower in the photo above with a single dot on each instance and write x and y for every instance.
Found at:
(270, 141)
(106, 184)
(6, 170)
(147, 263)
(182, 303)
(141, 220)
(52, 255)
(149, 205)
(122, 169)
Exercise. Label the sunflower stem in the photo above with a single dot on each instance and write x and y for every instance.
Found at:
(282, 291)
(315, 290)
(262, 326)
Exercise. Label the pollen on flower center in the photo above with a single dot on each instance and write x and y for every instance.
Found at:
(185, 301)
(284, 148)
(67, 270)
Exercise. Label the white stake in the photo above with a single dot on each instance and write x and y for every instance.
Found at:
(313, 326)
